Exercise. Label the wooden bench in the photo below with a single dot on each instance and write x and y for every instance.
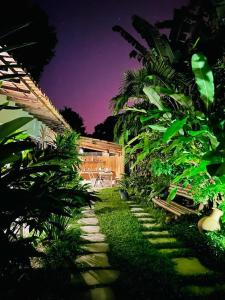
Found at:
(173, 207)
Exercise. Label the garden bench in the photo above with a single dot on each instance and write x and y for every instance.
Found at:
(173, 207)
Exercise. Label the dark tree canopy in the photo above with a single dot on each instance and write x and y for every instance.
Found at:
(74, 120)
(15, 13)
(105, 130)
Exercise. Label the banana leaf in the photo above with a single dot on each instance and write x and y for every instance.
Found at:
(182, 99)
(203, 78)
(153, 97)
(173, 129)
(11, 126)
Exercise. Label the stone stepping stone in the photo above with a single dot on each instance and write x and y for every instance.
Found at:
(84, 211)
(162, 240)
(130, 202)
(90, 229)
(156, 233)
(151, 225)
(137, 209)
(141, 215)
(147, 220)
(89, 214)
(104, 293)
(99, 293)
(96, 260)
(100, 277)
(173, 250)
(190, 266)
(93, 237)
(86, 207)
(95, 247)
(88, 221)
(135, 205)
(202, 291)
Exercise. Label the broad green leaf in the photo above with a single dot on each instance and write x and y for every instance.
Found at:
(221, 170)
(213, 140)
(153, 97)
(173, 129)
(172, 194)
(145, 119)
(138, 137)
(191, 172)
(157, 128)
(197, 132)
(215, 157)
(11, 126)
(140, 157)
(203, 78)
(182, 99)
(135, 109)
(154, 114)
(11, 148)
(126, 135)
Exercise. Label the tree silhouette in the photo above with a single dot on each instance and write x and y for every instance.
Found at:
(17, 13)
(74, 120)
(105, 130)
(198, 26)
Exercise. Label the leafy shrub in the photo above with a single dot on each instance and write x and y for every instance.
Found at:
(209, 247)
(39, 189)
(61, 253)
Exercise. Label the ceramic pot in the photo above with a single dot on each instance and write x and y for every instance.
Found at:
(123, 195)
(212, 222)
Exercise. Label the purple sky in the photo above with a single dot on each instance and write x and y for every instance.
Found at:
(90, 58)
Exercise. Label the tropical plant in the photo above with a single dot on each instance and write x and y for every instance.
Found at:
(166, 62)
(188, 140)
(39, 189)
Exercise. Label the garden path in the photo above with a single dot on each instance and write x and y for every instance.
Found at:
(198, 280)
(95, 272)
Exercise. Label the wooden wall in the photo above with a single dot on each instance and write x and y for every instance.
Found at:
(93, 163)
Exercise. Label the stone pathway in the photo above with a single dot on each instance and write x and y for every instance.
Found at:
(96, 274)
(188, 267)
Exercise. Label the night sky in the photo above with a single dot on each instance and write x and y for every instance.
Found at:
(90, 58)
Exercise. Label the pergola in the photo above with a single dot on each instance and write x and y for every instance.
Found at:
(19, 87)
(26, 94)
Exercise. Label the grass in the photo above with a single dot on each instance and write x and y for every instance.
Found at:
(145, 273)
(208, 247)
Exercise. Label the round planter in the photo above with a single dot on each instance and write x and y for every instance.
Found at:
(123, 194)
(211, 222)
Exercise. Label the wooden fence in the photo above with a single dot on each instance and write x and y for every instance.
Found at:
(92, 164)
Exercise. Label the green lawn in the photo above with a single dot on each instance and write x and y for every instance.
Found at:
(145, 273)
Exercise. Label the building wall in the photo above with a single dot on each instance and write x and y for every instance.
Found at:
(34, 128)
(91, 165)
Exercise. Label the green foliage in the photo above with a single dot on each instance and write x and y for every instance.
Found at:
(209, 247)
(131, 253)
(172, 194)
(182, 99)
(203, 78)
(39, 190)
(175, 127)
(153, 97)
(10, 127)
(60, 253)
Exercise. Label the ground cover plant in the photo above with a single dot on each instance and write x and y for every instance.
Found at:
(208, 247)
(130, 253)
